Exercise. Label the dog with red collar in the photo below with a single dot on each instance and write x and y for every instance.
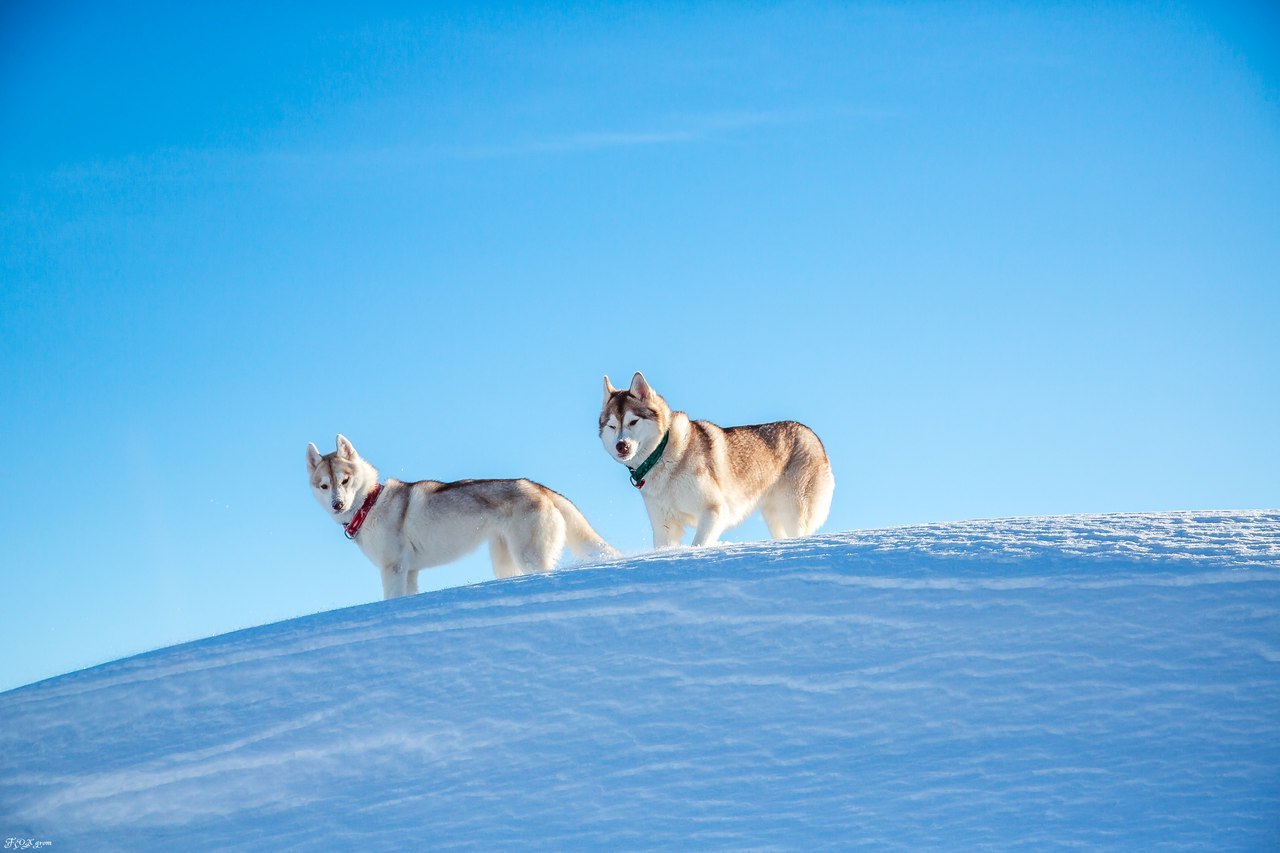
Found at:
(406, 527)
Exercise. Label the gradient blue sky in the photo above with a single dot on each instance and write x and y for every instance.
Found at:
(1006, 259)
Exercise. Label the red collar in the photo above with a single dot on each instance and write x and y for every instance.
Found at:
(356, 523)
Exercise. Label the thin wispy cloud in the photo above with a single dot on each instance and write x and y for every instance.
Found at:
(579, 142)
(677, 131)
(177, 164)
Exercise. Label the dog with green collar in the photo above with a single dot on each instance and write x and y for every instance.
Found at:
(692, 473)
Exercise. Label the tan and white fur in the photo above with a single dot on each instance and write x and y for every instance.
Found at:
(415, 526)
(711, 478)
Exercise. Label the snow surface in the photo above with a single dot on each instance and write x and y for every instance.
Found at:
(1092, 680)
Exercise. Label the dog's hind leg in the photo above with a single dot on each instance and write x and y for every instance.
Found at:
(539, 540)
(504, 566)
(798, 504)
(780, 514)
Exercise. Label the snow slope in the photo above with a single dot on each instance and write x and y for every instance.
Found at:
(1098, 680)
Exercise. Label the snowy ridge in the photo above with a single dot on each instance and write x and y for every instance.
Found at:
(1109, 680)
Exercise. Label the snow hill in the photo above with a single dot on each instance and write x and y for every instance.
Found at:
(1096, 680)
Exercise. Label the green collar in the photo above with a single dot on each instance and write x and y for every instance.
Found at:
(637, 473)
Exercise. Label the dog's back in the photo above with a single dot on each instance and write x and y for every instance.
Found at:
(498, 503)
(526, 523)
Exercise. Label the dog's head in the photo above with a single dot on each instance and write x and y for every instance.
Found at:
(338, 478)
(632, 421)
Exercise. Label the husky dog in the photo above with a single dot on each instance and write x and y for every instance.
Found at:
(405, 527)
(695, 473)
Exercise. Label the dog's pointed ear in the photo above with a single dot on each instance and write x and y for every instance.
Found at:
(608, 388)
(345, 449)
(640, 389)
(313, 456)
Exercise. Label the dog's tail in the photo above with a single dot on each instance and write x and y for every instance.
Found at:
(580, 536)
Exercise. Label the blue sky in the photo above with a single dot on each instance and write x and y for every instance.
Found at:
(1005, 259)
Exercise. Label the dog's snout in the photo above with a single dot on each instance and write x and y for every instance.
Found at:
(338, 506)
(624, 446)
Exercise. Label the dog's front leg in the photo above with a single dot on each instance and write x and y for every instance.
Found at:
(395, 581)
(667, 532)
(710, 526)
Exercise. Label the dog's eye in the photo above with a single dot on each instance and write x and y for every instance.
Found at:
(346, 480)
(634, 422)
(324, 486)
